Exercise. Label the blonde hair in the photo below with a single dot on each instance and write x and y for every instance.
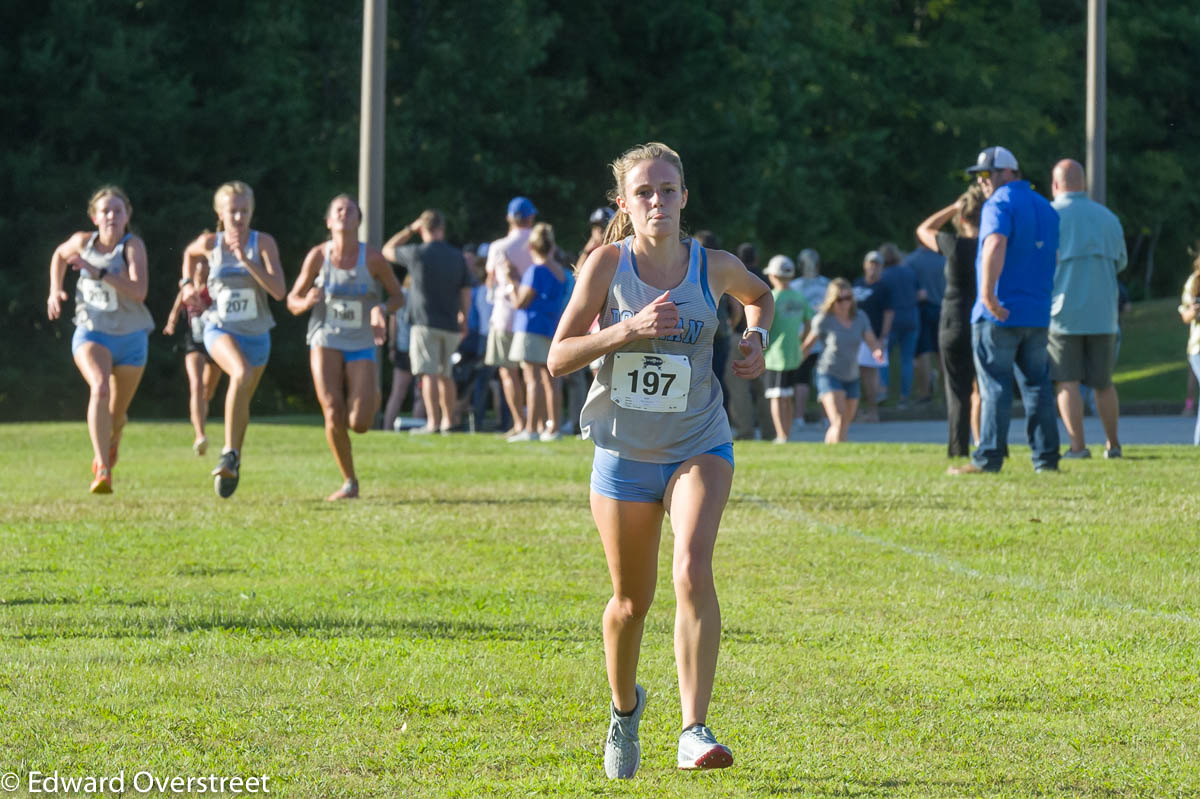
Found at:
(621, 226)
(541, 239)
(968, 207)
(110, 190)
(1193, 281)
(234, 188)
(836, 286)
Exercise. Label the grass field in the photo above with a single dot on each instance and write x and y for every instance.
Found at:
(1152, 364)
(889, 631)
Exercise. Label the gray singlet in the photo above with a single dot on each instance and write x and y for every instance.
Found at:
(239, 302)
(98, 305)
(643, 376)
(342, 321)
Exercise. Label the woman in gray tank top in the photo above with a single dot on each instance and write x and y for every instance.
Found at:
(337, 288)
(111, 321)
(240, 268)
(662, 440)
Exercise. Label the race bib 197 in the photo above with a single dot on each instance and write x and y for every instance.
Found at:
(344, 313)
(98, 295)
(236, 305)
(651, 381)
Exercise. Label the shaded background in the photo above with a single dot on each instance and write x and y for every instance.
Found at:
(833, 124)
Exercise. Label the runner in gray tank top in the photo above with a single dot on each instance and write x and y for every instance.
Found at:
(662, 440)
(240, 268)
(337, 288)
(112, 324)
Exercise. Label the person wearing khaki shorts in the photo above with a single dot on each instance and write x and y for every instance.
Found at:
(507, 261)
(440, 299)
(430, 350)
(499, 343)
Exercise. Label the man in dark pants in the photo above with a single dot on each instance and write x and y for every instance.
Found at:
(1018, 242)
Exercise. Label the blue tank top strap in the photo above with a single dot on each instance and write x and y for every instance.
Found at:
(708, 297)
(627, 262)
(362, 256)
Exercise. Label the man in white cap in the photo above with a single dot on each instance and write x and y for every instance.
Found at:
(1014, 269)
(783, 356)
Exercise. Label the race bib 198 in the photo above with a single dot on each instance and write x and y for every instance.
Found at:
(237, 305)
(344, 313)
(651, 381)
(98, 295)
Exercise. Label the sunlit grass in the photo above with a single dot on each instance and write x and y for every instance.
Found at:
(888, 631)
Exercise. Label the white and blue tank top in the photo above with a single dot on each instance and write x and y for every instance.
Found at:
(239, 302)
(657, 400)
(342, 321)
(98, 305)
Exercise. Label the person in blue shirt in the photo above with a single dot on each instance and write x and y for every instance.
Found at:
(538, 297)
(930, 268)
(903, 332)
(1014, 270)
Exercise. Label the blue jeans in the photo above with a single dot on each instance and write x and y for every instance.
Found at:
(1194, 360)
(905, 339)
(999, 352)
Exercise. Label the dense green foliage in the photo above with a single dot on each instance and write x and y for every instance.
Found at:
(441, 636)
(801, 123)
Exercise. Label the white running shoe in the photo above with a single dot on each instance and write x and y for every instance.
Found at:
(524, 435)
(698, 749)
(622, 749)
(550, 435)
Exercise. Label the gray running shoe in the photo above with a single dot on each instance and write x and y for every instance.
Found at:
(1113, 452)
(698, 749)
(225, 476)
(1077, 454)
(622, 749)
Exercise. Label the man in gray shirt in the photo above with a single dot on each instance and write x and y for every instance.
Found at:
(439, 301)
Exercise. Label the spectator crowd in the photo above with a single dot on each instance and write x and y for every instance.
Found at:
(1003, 288)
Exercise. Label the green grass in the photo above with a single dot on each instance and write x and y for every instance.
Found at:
(1152, 365)
(888, 631)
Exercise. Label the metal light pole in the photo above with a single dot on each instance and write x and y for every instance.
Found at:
(1097, 79)
(370, 133)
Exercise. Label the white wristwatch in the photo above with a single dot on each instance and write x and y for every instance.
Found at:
(762, 334)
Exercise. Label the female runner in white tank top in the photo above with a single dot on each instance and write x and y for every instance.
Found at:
(240, 268)
(338, 281)
(111, 321)
(657, 376)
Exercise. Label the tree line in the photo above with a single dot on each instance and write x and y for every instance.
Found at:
(802, 123)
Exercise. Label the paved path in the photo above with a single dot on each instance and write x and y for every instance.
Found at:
(1132, 429)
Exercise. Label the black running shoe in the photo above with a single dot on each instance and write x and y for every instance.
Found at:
(225, 476)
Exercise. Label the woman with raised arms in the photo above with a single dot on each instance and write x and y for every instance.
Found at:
(337, 286)
(112, 324)
(240, 268)
(663, 443)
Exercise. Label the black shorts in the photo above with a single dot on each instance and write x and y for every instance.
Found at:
(401, 361)
(806, 369)
(781, 384)
(190, 342)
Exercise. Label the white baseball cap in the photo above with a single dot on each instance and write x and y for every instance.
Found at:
(993, 158)
(780, 266)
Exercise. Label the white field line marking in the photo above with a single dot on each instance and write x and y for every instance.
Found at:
(954, 566)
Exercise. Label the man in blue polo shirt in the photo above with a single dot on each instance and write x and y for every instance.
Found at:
(1014, 269)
